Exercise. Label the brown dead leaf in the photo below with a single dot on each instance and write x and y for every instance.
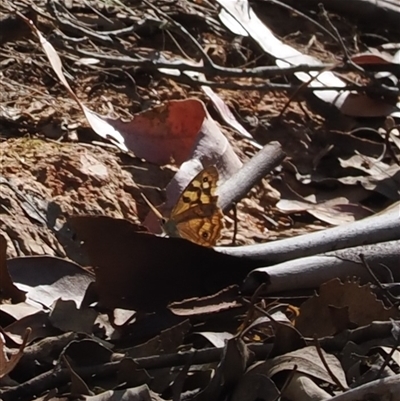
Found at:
(86, 352)
(307, 361)
(374, 57)
(141, 393)
(131, 376)
(166, 342)
(316, 315)
(302, 387)
(38, 323)
(225, 299)
(8, 290)
(228, 116)
(255, 387)
(8, 364)
(144, 272)
(334, 211)
(175, 131)
(78, 386)
(381, 178)
(47, 278)
(18, 311)
(67, 317)
(217, 339)
(231, 368)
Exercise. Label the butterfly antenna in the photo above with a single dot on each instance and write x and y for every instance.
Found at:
(152, 207)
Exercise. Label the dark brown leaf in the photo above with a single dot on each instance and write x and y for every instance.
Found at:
(144, 272)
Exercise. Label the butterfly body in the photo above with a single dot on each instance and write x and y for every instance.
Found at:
(196, 216)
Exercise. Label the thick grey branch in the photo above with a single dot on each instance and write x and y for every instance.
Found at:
(375, 229)
(236, 187)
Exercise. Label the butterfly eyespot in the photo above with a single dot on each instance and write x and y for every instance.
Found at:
(204, 234)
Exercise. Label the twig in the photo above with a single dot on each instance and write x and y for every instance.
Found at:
(388, 388)
(153, 64)
(250, 312)
(305, 16)
(392, 299)
(287, 382)
(327, 367)
(387, 141)
(71, 26)
(375, 330)
(237, 186)
(388, 356)
(41, 350)
(301, 87)
(60, 377)
(206, 58)
(346, 54)
(181, 65)
(372, 230)
(310, 272)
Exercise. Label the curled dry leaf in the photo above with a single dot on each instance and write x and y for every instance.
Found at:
(307, 361)
(8, 364)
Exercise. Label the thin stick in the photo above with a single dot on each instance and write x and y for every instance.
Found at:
(152, 207)
(328, 369)
(287, 382)
(391, 298)
(61, 376)
(303, 86)
(388, 358)
(346, 54)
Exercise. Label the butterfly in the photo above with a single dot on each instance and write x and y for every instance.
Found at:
(196, 215)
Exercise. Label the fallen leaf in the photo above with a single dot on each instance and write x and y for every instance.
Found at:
(47, 278)
(67, 317)
(316, 315)
(98, 124)
(231, 368)
(307, 361)
(141, 393)
(334, 211)
(141, 271)
(302, 387)
(38, 323)
(225, 299)
(8, 364)
(86, 352)
(167, 342)
(255, 387)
